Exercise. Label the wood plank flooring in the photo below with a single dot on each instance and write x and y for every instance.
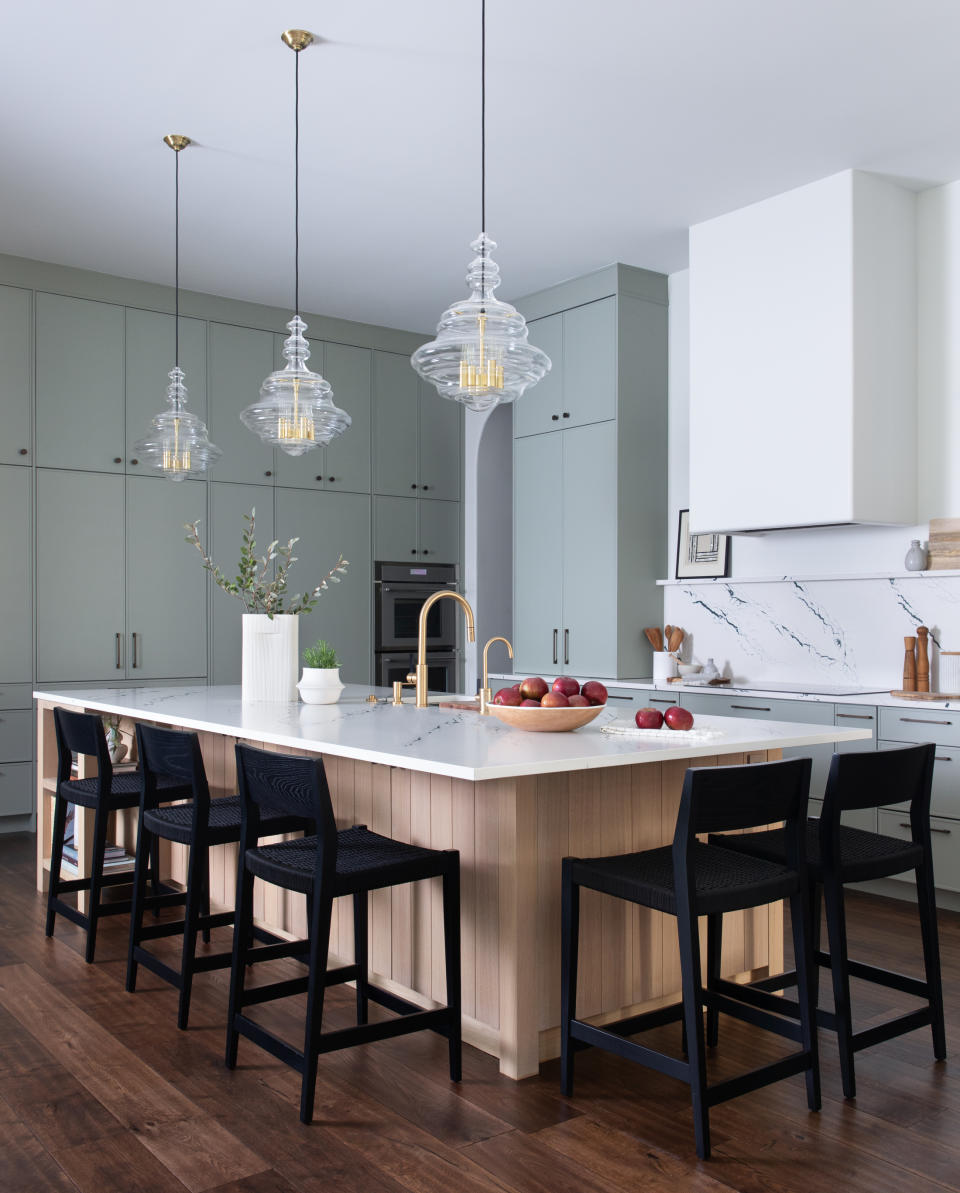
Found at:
(99, 1092)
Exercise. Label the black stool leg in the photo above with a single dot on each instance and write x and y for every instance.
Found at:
(689, 938)
(145, 849)
(195, 879)
(927, 906)
(808, 974)
(96, 877)
(837, 936)
(56, 859)
(319, 948)
(205, 899)
(569, 956)
(360, 952)
(451, 950)
(714, 952)
(155, 873)
(242, 927)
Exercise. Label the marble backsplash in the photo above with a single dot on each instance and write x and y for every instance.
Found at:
(827, 631)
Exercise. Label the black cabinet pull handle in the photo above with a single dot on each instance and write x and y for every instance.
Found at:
(566, 648)
(425, 551)
(23, 451)
(655, 700)
(942, 758)
(610, 696)
(944, 831)
(856, 716)
(413, 550)
(119, 638)
(268, 473)
(923, 721)
(136, 650)
(331, 479)
(751, 707)
(555, 633)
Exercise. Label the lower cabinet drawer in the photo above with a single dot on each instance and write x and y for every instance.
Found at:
(865, 818)
(16, 695)
(945, 800)
(625, 697)
(945, 840)
(907, 724)
(16, 789)
(16, 735)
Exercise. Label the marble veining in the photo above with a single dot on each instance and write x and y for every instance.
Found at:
(460, 744)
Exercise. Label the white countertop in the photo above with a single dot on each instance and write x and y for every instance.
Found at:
(462, 745)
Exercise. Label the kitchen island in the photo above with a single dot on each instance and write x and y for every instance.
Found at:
(512, 803)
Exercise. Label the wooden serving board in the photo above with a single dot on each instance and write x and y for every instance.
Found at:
(926, 695)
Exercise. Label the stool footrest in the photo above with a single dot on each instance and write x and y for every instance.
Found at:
(269, 1043)
(385, 1029)
(754, 1006)
(892, 1028)
(160, 968)
(275, 952)
(886, 977)
(609, 1041)
(788, 1066)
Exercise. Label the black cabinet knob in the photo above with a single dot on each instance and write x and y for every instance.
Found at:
(566, 414)
(425, 551)
(23, 451)
(118, 459)
(413, 486)
(318, 478)
(134, 461)
(331, 479)
(413, 551)
(555, 417)
(424, 487)
(268, 473)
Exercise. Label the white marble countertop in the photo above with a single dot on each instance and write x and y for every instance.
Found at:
(460, 744)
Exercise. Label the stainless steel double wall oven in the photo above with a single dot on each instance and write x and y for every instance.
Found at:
(400, 592)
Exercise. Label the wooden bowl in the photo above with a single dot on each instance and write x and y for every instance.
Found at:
(544, 720)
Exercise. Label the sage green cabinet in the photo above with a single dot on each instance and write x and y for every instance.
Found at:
(80, 378)
(416, 434)
(16, 380)
(439, 530)
(16, 789)
(406, 528)
(344, 464)
(240, 359)
(441, 424)
(16, 550)
(221, 540)
(150, 354)
(329, 525)
(166, 584)
(81, 634)
(581, 387)
(537, 555)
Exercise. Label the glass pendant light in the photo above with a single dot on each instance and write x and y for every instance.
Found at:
(176, 443)
(481, 355)
(296, 411)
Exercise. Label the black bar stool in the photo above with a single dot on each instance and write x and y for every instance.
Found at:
(687, 880)
(838, 854)
(106, 792)
(198, 824)
(330, 864)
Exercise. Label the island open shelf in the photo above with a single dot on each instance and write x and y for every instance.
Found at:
(512, 803)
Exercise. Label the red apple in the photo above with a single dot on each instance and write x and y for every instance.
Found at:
(516, 688)
(578, 701)
(555, 700)
(678, 718)
(507, 696)
(566, 684)
(529, 703)
(649, 718)
(534, 689)
(594, 691)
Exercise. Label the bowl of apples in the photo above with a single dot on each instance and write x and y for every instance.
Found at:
(538, 707)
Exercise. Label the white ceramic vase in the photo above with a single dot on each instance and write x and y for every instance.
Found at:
(320, 685)
(271, 651)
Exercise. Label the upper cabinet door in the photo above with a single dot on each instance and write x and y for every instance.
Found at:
(16, 440)
(150, 355)
(395, 425)
(80, 577)
(441, 431)
(16, 543)
(166, 582)
(80, 420)
(240, 359)
(589, 363)
(440, 531)
(395, 529)
(539, 409)
(347, 458)
(306, 471)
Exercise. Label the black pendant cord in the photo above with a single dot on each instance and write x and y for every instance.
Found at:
(296, 185)
(483, 116)
(176, 266)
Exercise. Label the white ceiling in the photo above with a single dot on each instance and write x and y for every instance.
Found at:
(612, 126)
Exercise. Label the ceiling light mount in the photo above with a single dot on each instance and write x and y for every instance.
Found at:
(297, 39)
(176, 141)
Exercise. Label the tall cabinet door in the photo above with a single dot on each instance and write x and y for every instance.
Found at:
(441, 423)
(347, 458)
(439, 531)
(590, 363)
(330, 525)
(166, 583)
(395, 529)
(221, 540)
(395, 425)
(150, 355)
(590, 524)
(16, 543)
(537, 548)
(80, 405)
(240, 359)
(16, 340)
(540, 408)
(80, 577)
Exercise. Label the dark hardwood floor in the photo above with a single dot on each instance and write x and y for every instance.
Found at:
(100, 1092)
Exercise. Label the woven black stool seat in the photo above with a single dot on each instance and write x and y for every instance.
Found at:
(838, 854)
(863, 855)
(365, 861)
(175, 822)
(124, 789)
(724, 879)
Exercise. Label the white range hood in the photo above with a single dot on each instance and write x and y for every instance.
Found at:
(803, 360)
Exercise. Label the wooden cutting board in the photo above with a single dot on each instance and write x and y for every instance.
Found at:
(926, 695)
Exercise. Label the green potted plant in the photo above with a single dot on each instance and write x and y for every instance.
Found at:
(270, 617)
(320, 682)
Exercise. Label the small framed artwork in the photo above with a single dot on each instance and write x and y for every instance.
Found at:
(701, 556)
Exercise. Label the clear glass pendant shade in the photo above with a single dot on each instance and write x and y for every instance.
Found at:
(176, 443)
(296, 411)
(481, 355)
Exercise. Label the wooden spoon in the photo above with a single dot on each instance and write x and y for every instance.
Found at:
(654, 636)
(675, 639)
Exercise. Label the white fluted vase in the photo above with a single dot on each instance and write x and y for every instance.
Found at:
(271, 652)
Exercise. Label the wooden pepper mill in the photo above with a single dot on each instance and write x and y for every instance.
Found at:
(923, 660)
(909, 664)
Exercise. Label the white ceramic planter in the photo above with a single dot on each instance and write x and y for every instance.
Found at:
(320, 685)
(271, 651)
